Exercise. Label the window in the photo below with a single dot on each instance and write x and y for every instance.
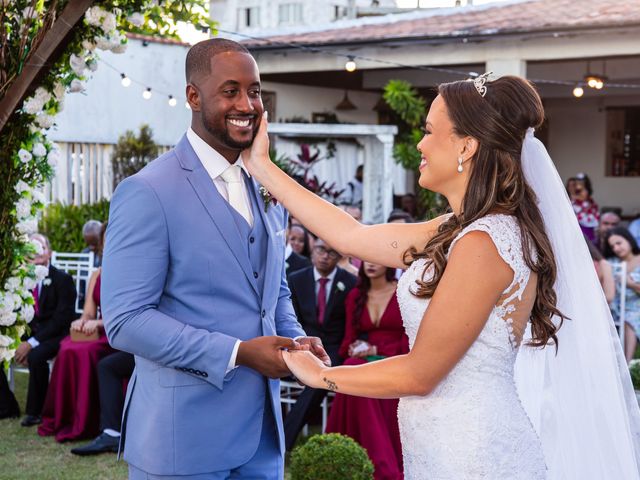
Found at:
(623, 142)
(248, 17)
(290, 14)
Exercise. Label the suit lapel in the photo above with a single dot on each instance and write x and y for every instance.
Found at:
(271, 266)
(215, 205)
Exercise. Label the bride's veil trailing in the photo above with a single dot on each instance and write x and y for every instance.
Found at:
(580, 401)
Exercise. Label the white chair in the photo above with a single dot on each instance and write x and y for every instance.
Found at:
(80, 267)
(620, 277)
(289, 393)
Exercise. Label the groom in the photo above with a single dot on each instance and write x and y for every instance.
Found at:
(194, 286)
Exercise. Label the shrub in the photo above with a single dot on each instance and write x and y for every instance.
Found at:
(63, 223)
(330, 456)
(132, 153)
(634, 370)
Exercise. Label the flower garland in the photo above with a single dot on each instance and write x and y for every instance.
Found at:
(36, 160)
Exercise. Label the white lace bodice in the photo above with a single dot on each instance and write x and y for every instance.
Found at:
(473, 425)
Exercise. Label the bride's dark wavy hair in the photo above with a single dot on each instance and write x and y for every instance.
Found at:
(499, 122)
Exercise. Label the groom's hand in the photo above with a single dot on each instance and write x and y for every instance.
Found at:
(316, 347)
(264, 354)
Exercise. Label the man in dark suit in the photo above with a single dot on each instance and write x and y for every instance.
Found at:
(318, 294)
(54, 309)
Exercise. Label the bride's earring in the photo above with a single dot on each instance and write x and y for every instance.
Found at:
(460, 164)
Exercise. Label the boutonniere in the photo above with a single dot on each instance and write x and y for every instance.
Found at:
(46, 282)
(267, 198)
(286, 265)
(340, 286)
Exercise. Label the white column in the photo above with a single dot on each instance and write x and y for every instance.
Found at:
(507, 66)
(377, 200)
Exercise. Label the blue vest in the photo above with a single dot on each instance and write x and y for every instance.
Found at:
(257, 238)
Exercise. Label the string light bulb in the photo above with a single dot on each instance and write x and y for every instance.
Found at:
(172, 101)
(147, 93)
(578, 91)
(126, 81)
(350, 66)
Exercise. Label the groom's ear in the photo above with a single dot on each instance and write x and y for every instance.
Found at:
(193, 97)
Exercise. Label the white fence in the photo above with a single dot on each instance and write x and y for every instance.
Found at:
(84, 174)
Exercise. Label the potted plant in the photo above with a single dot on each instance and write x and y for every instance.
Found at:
(330, 456)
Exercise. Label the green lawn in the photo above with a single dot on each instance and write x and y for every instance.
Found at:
(26, 455)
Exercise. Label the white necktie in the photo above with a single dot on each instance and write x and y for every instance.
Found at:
(233, 178)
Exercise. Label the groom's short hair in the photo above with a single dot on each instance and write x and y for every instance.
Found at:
(199, 56)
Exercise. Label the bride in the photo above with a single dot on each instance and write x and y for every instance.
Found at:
(515, 371)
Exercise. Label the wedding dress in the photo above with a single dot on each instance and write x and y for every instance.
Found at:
(473, 425)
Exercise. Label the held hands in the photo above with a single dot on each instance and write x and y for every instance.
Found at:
(264, 354)
(91, 326)
(306, 367)
(314, 345)
(22, 353)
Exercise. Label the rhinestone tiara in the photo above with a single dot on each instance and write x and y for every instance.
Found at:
(479, 83)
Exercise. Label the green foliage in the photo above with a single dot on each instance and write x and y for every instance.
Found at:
(330, 456)
(133, 153)
(634, 370)
(406, 102)
(62, 224)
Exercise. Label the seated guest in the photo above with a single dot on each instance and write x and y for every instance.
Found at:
(608, 220)
(91, 234)
(54, 304)
(318, 294)
(298, 239)
(71, 409)
(374, 330)
(113, 370)
(294, 261)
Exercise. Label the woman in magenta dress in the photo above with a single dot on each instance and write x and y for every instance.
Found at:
(72, 408)
(373, 330)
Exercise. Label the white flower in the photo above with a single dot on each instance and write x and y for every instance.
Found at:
(108, 22)
(78, 65)
(88, 45)
(23, 208)
(30, 283)
(28, 226)
(92, 65)
(340, 286)
(76, 86)
(38, 197)
(136, 19)
(42, 95)
(41, 272)
(39, 150)
(29, 12)
(20, 330)
(46, 282)
(5, 341)
(8, 319)
(53, 158)
(7, 304)
(58, 91)
(24, 155)
(6, 354)
(32, 106)
(26, 312)
(12, 284)
(33, 128)
(22, 186)
(44, 120)
(93, 16)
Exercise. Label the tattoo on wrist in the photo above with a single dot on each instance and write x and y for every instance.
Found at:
(330, 385)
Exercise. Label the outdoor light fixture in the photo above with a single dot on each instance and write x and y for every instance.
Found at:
(147, 94)
(126, 81)
(578, 91)
(345, 103)
(594, 80)
(350, 66)
(172, 101)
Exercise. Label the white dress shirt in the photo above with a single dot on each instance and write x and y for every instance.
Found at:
(215, 164)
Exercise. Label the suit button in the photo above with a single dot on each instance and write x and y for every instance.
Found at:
(264, 313)
(205, 374)
(252, 239)
(255, 274)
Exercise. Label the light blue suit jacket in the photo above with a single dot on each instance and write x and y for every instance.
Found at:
(177, 291)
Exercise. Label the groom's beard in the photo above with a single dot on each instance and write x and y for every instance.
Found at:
(222, 134)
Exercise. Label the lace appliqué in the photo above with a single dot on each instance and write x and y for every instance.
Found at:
(473, 425)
